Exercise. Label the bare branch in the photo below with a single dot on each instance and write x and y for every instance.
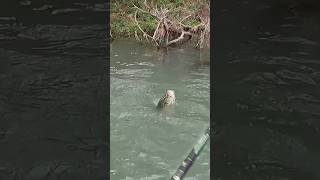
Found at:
(136, 36)
(144, 11)
(185, 18)
(155, 32)
(146, 4)
(143, 32)
(180, 38)
(110, 33)
(139, 8)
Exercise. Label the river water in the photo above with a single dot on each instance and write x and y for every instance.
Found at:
(53, 84)
(267, 93)
(145, 143)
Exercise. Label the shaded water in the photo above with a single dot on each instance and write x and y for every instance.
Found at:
(267, 93)
(145, 143)
(52, 90)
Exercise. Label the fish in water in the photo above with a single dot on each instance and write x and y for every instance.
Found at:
(168, 99)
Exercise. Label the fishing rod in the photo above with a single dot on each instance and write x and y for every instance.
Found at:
(192, 156)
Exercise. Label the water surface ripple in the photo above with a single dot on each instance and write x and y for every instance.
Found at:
(145, 143)
(268, 94)
(52, 97)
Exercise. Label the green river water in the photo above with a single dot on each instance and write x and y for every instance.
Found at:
(147, 144)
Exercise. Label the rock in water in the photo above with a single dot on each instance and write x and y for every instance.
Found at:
(168, 99)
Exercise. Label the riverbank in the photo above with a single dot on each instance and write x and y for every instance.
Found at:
(133, 18)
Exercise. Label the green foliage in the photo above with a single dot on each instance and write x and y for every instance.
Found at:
(122, 27)
(147, 23)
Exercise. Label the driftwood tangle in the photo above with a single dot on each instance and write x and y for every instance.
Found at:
(170, 32)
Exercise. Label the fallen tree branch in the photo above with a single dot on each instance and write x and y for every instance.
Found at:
(180, 38)
(155, 32)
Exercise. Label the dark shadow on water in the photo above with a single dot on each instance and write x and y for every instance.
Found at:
(53, 84)
(266, 90)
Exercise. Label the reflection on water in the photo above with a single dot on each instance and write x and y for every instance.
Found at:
(145, 143)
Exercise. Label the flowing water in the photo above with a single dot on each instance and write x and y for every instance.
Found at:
(266, 95)
(53, 58)
(267, 92)
(145, 143)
